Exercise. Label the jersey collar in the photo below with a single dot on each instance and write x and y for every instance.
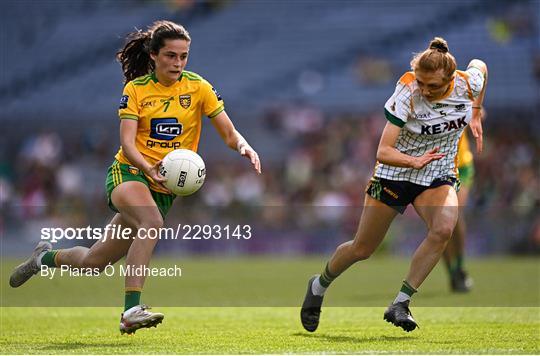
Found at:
(154, 78)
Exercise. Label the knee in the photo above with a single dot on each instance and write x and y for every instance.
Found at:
(151, 222)
(148, 231)
(441, 232)
(361, 252)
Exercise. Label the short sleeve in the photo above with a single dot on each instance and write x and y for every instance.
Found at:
(212, 101)
(397, 109)
(476, 80)
(128, 108)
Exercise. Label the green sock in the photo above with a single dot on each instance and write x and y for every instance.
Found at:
(407, 289)
(405, 293)
(326, 277)
(448, 265)
(459, 262)
(456, 265)
(48, 258)
(132, 299)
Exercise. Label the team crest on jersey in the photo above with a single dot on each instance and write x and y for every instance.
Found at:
(133, 170)
(185, 101)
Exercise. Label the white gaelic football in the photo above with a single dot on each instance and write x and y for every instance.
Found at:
(184, 170)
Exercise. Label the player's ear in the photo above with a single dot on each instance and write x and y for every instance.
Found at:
(153, 56)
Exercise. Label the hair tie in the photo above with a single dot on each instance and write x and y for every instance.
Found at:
(439, 46)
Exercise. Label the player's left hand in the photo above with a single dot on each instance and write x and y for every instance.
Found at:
(248, 152)
(476, 128)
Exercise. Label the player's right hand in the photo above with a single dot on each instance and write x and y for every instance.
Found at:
(426, 158)
(153, 172)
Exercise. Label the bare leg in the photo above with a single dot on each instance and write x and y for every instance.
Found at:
(374, 223)
(461, 227)
(456, 245)
(438, 208)
(103, 252)
(138, 209)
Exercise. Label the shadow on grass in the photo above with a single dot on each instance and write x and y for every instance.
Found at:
(64, 346)
(366, 299)
(355, 339)
(382, 299)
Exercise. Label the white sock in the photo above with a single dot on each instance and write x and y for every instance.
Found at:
(401, 297)
(38, 259)
(317, 288)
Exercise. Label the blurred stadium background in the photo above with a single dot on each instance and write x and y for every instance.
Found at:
(305, 81)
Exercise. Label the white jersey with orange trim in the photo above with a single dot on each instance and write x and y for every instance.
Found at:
(426, 125)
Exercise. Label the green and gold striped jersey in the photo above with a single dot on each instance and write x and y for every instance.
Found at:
(169, 117)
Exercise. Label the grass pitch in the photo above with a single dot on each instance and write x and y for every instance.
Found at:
(500, 316)
(271, 330)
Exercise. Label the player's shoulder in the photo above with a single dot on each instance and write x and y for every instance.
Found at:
(406, 85)
(195, 80)
(407, 79)
(462, 75)
(142, 81)
(465, 84)
(192, 76)
(472, 75)
(198, 83)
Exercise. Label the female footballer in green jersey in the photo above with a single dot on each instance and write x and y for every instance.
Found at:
(158, 91)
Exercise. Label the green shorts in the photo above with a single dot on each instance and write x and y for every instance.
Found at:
(466, 175)
(120, 172)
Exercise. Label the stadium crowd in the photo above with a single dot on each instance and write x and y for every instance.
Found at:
(57, 179)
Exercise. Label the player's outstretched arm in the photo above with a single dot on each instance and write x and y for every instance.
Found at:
(476, 121)
(234, 140)
(387, 152)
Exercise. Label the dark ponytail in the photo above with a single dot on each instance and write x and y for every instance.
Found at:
(135, 56)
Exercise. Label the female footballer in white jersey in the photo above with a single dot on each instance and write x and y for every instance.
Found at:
(426, 115)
